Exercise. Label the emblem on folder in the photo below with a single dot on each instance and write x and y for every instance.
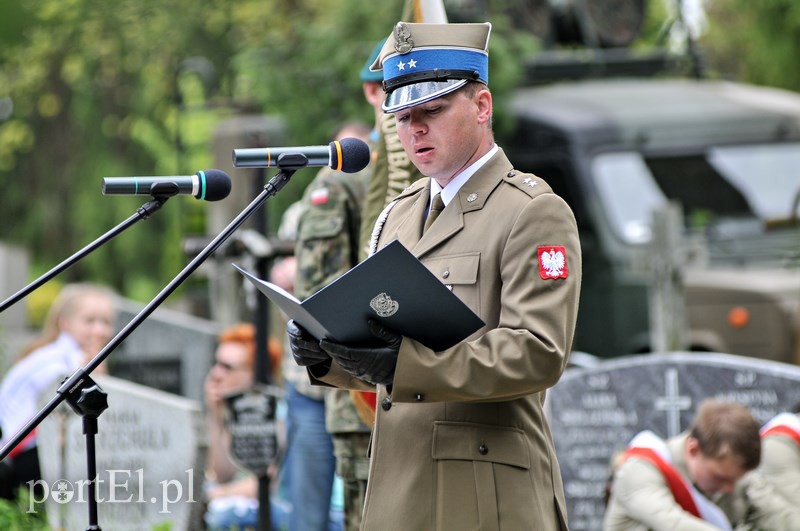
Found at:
(383, 305)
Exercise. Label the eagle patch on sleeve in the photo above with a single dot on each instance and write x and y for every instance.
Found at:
(552, 262)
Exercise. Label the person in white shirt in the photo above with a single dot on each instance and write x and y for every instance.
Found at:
(79, 324)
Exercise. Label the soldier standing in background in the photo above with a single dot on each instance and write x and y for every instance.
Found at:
(393, 171)
(327, 247)
(349, 415)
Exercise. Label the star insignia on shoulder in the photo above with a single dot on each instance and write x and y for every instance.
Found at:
(530, 182)
(412, 63)
(401, 65)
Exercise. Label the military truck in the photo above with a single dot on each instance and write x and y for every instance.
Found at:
(728, 153)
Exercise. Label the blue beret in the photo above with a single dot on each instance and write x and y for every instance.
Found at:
(368, 75)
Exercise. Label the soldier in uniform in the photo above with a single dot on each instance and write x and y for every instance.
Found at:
(461, 440)
(327, 247)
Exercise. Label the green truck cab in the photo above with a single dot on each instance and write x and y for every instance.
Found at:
(728, 153)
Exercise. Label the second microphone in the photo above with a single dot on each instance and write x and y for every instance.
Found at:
(349, 155)
(207, 185)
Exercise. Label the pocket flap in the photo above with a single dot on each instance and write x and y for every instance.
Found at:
(455, 269)
(320, 225)
(480, 442)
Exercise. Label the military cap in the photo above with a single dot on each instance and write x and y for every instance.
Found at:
(421, 62)
(368, 74)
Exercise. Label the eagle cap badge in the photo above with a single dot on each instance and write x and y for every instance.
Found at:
(403, 43)
(552, 262)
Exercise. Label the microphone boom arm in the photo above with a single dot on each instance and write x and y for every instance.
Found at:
(143, 212)
(81, 377)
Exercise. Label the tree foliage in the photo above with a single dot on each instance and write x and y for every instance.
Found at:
(90, 88)
(94, 87)
(757, 41)
(136, 87)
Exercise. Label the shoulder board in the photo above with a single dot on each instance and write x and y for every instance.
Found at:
(527, 182)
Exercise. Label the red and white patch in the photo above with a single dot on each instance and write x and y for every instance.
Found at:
(320, 196)
(553, 262)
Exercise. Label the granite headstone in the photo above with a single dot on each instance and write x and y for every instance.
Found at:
(595, 412)
(150, 451)
(170, 351)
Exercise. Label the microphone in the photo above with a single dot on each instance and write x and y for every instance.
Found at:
(349, 155)
(207, 185)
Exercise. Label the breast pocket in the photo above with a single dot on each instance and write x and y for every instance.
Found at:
(479, 467)
(459, 272)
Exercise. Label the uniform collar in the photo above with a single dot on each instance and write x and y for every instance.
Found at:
(452, 188)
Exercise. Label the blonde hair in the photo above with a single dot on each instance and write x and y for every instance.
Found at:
(64, 304)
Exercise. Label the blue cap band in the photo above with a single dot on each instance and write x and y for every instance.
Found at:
(421, 60)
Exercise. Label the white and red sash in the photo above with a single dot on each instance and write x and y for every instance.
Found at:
(651, 448)
(787, 424)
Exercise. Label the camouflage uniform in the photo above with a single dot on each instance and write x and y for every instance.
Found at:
(327, 246)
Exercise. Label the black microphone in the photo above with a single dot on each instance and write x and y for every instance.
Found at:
(349, 155)
(207, 185)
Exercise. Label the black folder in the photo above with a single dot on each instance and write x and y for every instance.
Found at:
(391, 287)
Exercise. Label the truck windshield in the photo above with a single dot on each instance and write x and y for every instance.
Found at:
(743, 187)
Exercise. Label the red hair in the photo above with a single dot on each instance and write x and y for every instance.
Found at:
(244, 334)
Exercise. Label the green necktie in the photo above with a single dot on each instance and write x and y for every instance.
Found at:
(436, 209)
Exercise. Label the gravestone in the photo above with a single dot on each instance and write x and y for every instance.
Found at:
(595, 412)
(150, 450)
(13, 320)
(170, 351)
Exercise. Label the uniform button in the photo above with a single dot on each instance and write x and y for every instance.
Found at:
(419, 397)
(483, 449)
(386, 404)
(446, 274)
(512, 173)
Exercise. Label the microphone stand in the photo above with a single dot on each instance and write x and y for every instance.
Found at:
(84, 395)
(143, 212)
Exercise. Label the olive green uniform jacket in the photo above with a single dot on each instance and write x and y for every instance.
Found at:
(460, 440)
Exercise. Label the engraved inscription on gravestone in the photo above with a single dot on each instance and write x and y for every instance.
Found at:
(254, 442)
(150, 450)
(595, 412)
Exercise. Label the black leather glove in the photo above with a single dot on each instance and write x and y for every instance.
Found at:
(372, 364)
(304, 346)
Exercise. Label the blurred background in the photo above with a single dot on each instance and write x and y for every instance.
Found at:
(630, 109)
(91, 90)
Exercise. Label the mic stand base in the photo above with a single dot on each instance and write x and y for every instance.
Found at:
(88, 400)
(84, 395)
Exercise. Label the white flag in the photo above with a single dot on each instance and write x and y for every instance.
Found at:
(428, 11)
